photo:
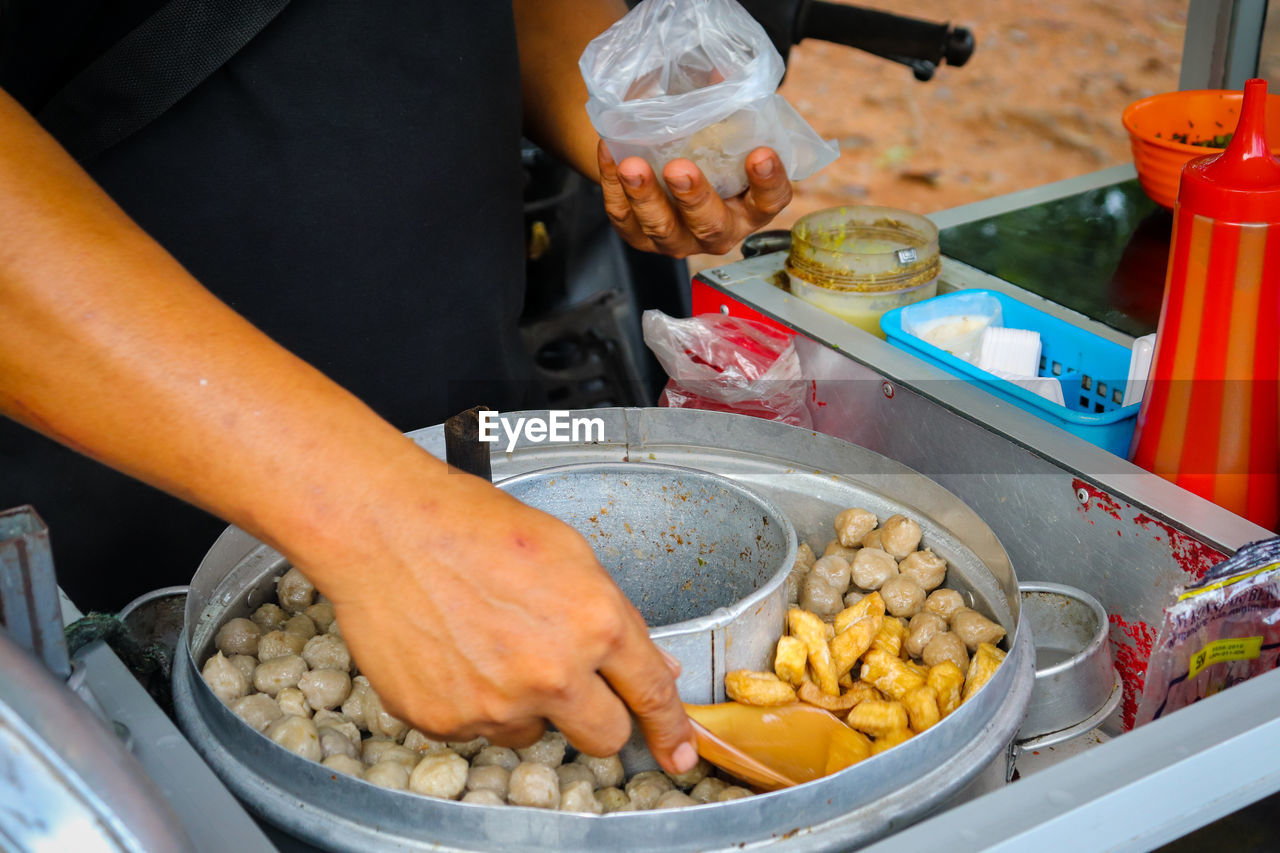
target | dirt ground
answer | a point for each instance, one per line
(1039, 101)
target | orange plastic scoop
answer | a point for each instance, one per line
(775, 747)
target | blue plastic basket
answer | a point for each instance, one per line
(1093, 372)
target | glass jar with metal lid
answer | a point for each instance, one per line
(859, 262)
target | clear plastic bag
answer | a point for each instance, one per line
(728, 364)
(954, 322)
(1221, 630)
(696, 79)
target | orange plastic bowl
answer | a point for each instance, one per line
(1200, 114)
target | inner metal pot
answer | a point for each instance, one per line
(703, 559)
(1076, 685)
(809, 477)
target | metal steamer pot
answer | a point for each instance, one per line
(809, 477)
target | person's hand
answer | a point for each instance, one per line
(698, 220)
(477, 615)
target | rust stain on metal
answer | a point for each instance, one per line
(1192, 556)
(1097, 499)
(1132, 642)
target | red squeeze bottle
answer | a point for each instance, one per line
(1209, 420)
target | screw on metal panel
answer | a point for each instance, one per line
(887, 389)
(724, 309)
(1082, 496)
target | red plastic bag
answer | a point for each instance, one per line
(728, 364)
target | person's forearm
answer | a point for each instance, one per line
(553, 34)
(108, 345)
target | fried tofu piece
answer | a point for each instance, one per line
(841, 704)
(758, 688)
(853, 642)
(947, 681)
(889, 673)
(870, 604)
(890, 637)
(985, 661)
(877, 717)
(922, 708)
(890, 740)
(790, 659)
(811, 631)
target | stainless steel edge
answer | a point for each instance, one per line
(1137, 792)
(749, 282)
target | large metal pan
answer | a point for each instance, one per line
(809, 477)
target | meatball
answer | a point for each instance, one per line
(238, 637)
(298, 735)
(675, 800)
(388, 774)
(353, 707)
(321, 616)
(580, 797)
(224, 678)
(899, 536)
(804, 556)
(376, 750)
(325, 688)
(378, 720)
(497, 756)
(706, 790)
(440, 774)
(468, 748)
(733, 792)
(974, 628)
(325, 651)
(258, 710)
(292, 701)
(614, 800)
(491, 777)
(872, 540)
(925, 568)
(300, 624)
(483, 798)
(944, 602)
(269, 617)
(278, 644)
(295, 592)
(420, 743)
(245, 664)
(835, 549)
(549, 750)
(345, 764)
(902, 596)
(817, 595)
(872, 567)
(534, 784)
(574, 772)
(923, 628)
(607, 770)
(853, 524)
(334, 742)
(946, 646)
(645, 788)
(691, 777)
(835, 570)
(278, 673)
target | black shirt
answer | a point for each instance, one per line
(350, 182)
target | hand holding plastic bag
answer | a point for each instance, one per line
(728, 364)
(696, 79)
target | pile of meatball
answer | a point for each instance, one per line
(864, 558)
(286, 672)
